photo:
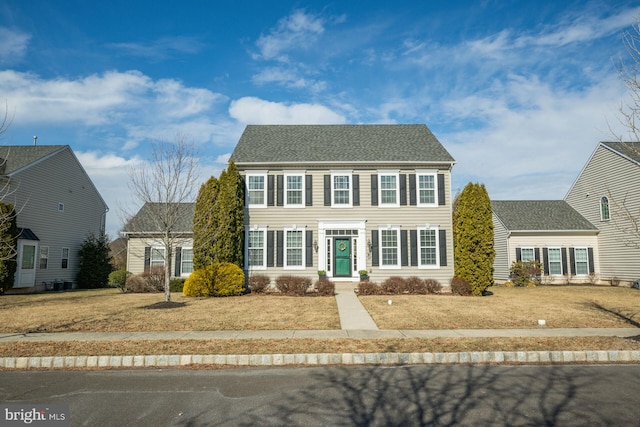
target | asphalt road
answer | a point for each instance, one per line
(475, 395)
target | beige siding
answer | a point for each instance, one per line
(136, 248)
(608, 174)
(407, 217)
(37, 192)
(500, 243)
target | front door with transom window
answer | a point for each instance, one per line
(342, 257)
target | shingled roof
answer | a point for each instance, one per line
(626, 149)
(16, 157)
(339, 144)
(540, 215)
(143, 222)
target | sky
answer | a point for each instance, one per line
(519, 92)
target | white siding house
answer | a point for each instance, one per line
(57, 208)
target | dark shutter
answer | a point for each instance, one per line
(374, 189)
(590, 255)
(270, 198)
(280, 190)
(572, 259)
(413, 236)
(442, 239)
(374, 248)
(308, 187)
(269, 248)
(545, 255)
(518, 254)
(356, 189)
(309, 247)
(536, 254)
(147, 258)
(441, 198)
(403, 189)
(279, 248)
(563, 252)
(178, 261)
(327, 190)
(404, 256)
(413, 198)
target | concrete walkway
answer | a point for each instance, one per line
(353, 315)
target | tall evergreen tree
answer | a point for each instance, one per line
(8, 249)
(205, 224)
(229, 217)
(473, 237)
(95, 264)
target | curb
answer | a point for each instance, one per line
(174, 360)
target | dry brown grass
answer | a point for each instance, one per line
(108, 310)
(561, 307)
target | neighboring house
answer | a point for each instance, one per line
(607, 193)
(145, 247)
(57, 207)
(548, 231)
(345, 198)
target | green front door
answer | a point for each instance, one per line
(342, 251)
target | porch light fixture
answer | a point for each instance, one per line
(369, 246)
(315, 245)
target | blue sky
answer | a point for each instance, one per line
(519, 92)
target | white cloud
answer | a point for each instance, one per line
(13, 45)
(257, 111)
(288, 78)
(296, 31)
(162, 48)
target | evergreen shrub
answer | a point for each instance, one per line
(118, 279)
(228, 279)
(199, 283)
(525, 273)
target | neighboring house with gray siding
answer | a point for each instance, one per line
(57, 207)
(145, 245)
(548, 231)
(607, 193)
(345, 198)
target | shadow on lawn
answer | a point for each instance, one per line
(627, 317)
(164, 305)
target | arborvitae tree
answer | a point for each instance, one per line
(95, 264)
(204, 224)
(229, 217)
(8, 249)
(473, 238)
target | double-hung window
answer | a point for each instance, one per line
(256, 247)
(186, 261)
(605, 214)
(554, 259)
(341, 189)
(389, 189)
(582, 260)
(427, 189)
(527, 254)
(390, 248)
(65, 258)
(157, 257)
(294, 248)
(257, 190)
(294, 187)
(44, 257)
(428, 247)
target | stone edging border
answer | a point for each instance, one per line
(173, 360)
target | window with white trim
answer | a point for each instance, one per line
(186, 261)
(527, 254)
(256, 243)
(157, 257)
(390, 248)
(554, 259)
(65, 258)
(294, 187)
(257, 190)
(44, 257)
(581, 260)
(341, 189)
(428, 247)
(605, 214)
(388, 189)
(427, 189)
(294, 248)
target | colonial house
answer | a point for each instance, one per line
(607, 193)
(346, 198)
(548, 231)
(145, 245)
(57, 207)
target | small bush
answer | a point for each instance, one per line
(293, 285)
(415, 286)
(138, 284)
(523, 272)
(154, 278)
(259, 283)
(432, 286)
(369, 288)
(325, 288)
(393, 285)
(460, 287)
(118, 279)
(176, 285)
(199, 283)
(228, 279)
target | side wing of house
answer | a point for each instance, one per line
(145, 252)
(501, 261)
(605, 193)
(55, 200)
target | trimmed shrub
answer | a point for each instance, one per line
(393, 285)
(460, 287)
(369, 288)
(154, 278)
(522, 273)
(199, 283)
(325, 288)
(228, 280)
(176, 285)
(138, 284)
(415, 286)
(432, 286)
(118, 279)
(293, 285)
(259, 283)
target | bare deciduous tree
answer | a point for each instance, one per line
(164, 183)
